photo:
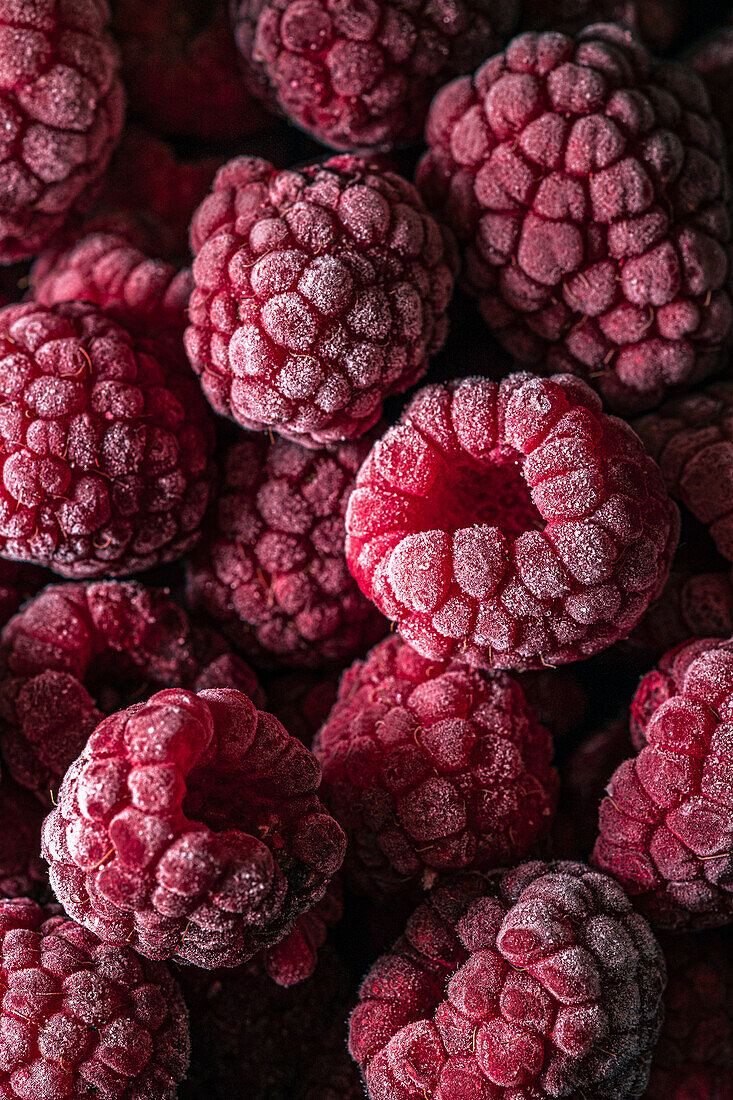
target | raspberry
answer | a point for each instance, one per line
(361, 75)
(318, 293)
(512, 525)
(81, 1018)
(694, 1057)
(62, 109)
(542, 982)
(181, 69)
(692, 604)
(294, 959)
(588, 183)
(22, 872)
(431, 766)
(79, 651)
(190, 828)
(106, 465)
(656, 22)
(666, 827)
(271, 569)
(302, 700)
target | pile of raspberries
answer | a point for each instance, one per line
(366, 550)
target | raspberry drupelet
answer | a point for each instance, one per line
(511, 525)
(655, 22)
(62, 110)
(190, 828)
(106, 443)
(666, 825)
(294, 959)
(540, 982)
(79, 651)
(361, 75)
(432, 767)
(84, 1019)
(318, 293)
(588, 184)
(270, 569)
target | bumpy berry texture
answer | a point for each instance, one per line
(294, 959)
(318, 293)
(588, 184)
(432, 767)
(79, 651)
(540, 983)
(666, 825)
(181, 69)
(656, 22)
(22, 871)
(106, 443)
(190, 828)
(270, 569)
(361, 75)
(694, 1057)
(62, 109)
(84, 1019)
(512, 525)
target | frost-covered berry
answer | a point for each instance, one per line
(511, 525)
(190, 828)
(589, 186)
(318, 293)
(432, 767)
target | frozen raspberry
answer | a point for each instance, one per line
(656, 22)
(588, 183)
(79, 651)
(512, 525)
(105, 443)
(190, 828)
(318, 293)
(104, 268)
(430, 767)
(84, 1019)
(556, 698)
(270, 568)
(694, 1057)
(542, 982)
(302, 700)
(181, 69)
(22, 871)
(666, 825)
(294, 959)
(360, 75)
(61, 108)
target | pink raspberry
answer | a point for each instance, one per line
(82, 1018)
(318, 293)
(512, 525)
(62, 110)
(666, 826)
(22, 871)
(181, 69)
(656, 22)
(270, 569)
(360, 75)
(431, 767)
(79, 651)
(541, 982)
(190, 828)
(588, 184)
(105, 440)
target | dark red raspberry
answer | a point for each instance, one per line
(666, 826)
(302, 700)
(512, 525)
(360, 75)
(190, 828)
(270, 568)
(656, 22)
(542, 982)
(318, 293)
(430, 767)
(105, 441)
(79, 651)
(589, 185)
(61, 110)
(294, 959)
(181, 69)
(81, 1018)
(694, 1057)
(22, 871)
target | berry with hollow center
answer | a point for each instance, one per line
(588, 183)
(317, 293)
(541, 982)
(432, 767)
(512, 525)
(190, 828)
